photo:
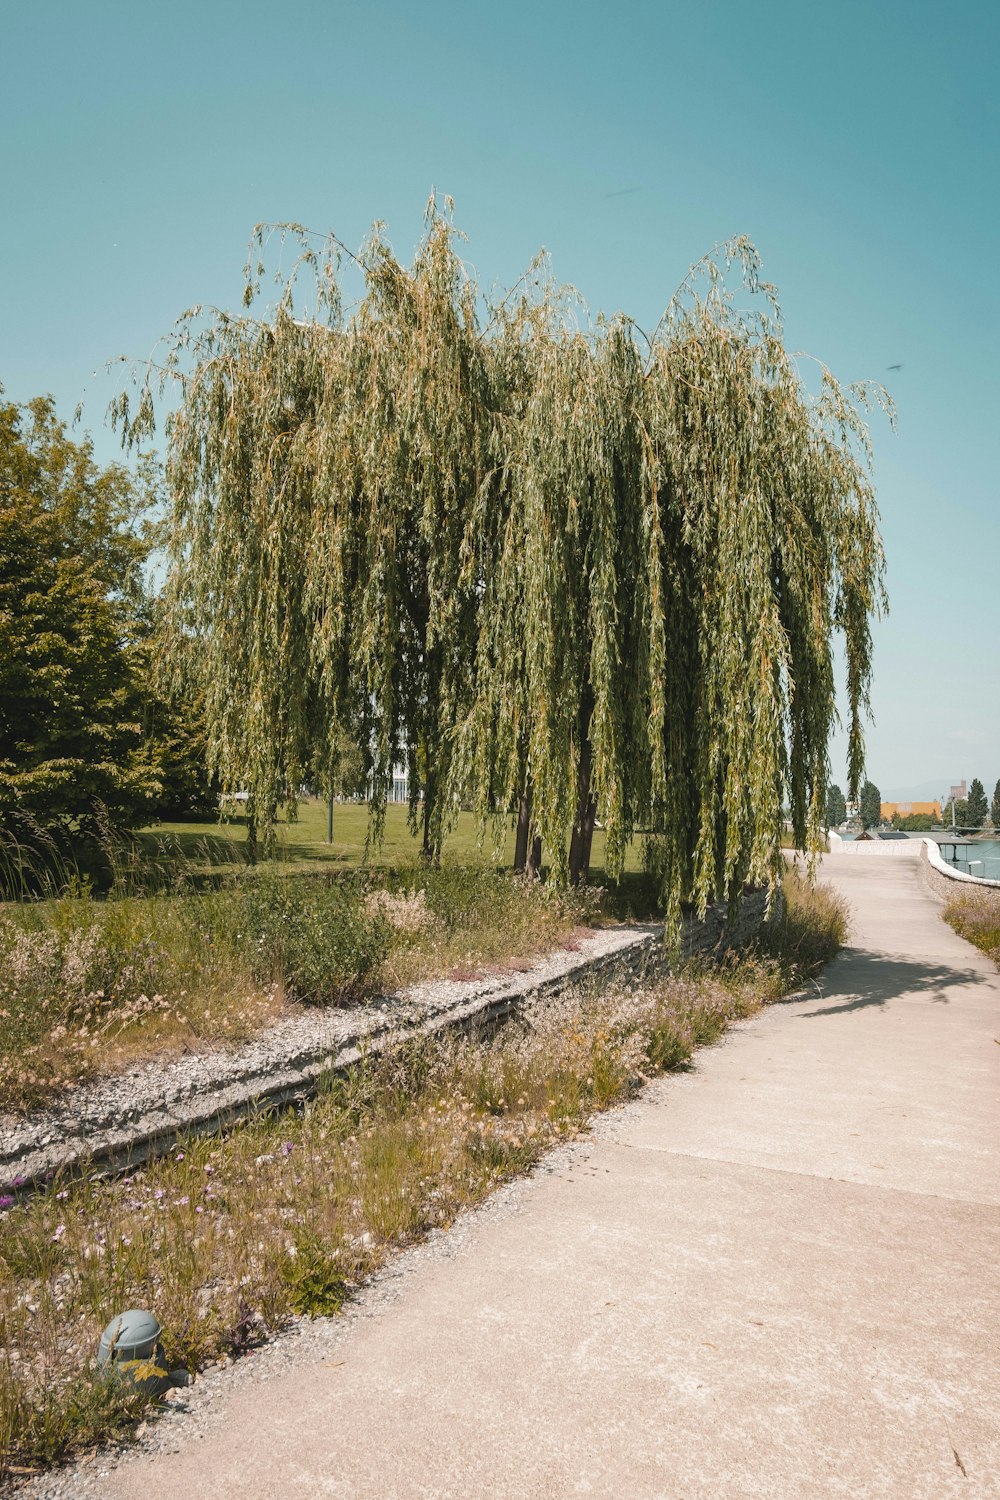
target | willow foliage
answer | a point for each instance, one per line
(551, 563)
(766, 545)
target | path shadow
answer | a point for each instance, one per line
(884, 978)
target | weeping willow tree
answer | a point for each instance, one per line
(564, 570)
(763, 546)
(557, 716)
(400, 455)
(322, 473)
(240, 479)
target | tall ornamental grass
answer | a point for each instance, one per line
(975, 915)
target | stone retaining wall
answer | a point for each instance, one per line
(941, 879)
(123, 1120)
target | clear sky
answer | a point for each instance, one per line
(857, 144)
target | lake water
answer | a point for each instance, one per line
(981, 858)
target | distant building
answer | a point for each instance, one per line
(907, 809)
(957, 793)
(399, 787)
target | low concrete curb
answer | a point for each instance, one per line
(114, 1123)
(942, 880)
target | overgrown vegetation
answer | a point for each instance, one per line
(89, 984)
(228, 1239)
(975, 915)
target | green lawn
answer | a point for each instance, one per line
(303, 842)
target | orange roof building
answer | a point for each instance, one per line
(907, 809)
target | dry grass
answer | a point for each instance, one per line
(228, 1239)
(88, 986)
(975, 915)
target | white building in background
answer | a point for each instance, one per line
(399, 786)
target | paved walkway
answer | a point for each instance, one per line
(774, 1276)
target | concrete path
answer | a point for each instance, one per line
(774, 1276)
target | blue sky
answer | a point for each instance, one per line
(857, 145)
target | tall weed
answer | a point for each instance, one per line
(975, 915)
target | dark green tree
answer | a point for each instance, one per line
(836, 806)
(913, 822)
(995, 809)
(71, 553)
(870, 807)
(176, 743)
(978, 806)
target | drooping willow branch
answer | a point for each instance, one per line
(549, 562)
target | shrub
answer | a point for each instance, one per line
(975, 915)
(319, 939)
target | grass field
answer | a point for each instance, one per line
(303, 841)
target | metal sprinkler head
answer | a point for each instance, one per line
(130, 1351)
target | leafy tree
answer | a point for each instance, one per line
(559, 566)
(176, 743)
(995, 808)
(960, 813)
(836, 806)
(71, 553)
(978, 806)
(870, 808)
(913, 822)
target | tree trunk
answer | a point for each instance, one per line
(583, 827)
(251, 836)
(431, 850)
(588, 835)
(535, 857)
(329, 820)
(522, 839)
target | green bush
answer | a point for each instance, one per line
(316, 1287)
(315, 937)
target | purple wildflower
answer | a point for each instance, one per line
(6, 1201)
(288, 1148)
